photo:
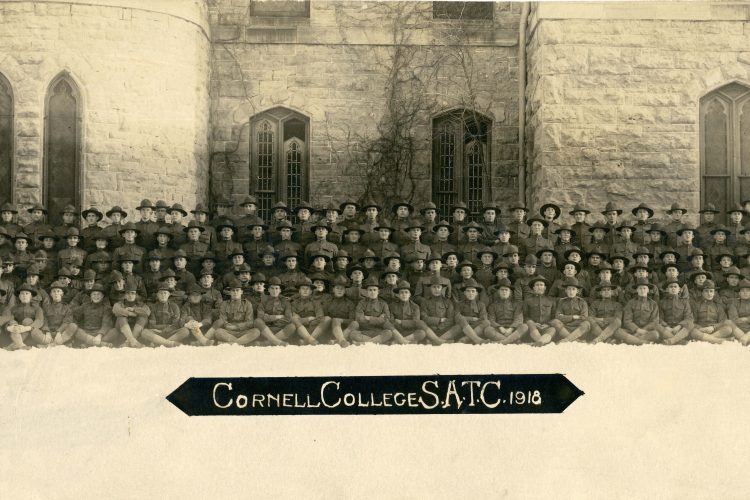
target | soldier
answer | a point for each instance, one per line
(37, 224)
(535, 241)
(321, 245)
(642, 225)
(200, 215)
(193, 247)
(284, 231)
(307, 312)
(58, 316)
(371, 222)
(131, 317)
(675, 315)
(471, 245)
(275, 315)
(571, 313)
(145, 227)
(550, 213)
(352, 243)
(458, 220)
(711, 324)
(409, 327)
(612, 215)
(640, 317)
(129, 233)
(676, 213)
(92, 217)
(349, 210)
(225, 244)
(195, 318)
(440, 241)
(236, 324)
(8, 214)
(71, 251)
(116, 215)
(429, 218)
(373, 316)
(519, 229)
(739, 313)
(177, 213)
(599, 242)
(279, 215)
(255, 242)
(413, 247)
(580, 229)
(564, 236)
(538, 311)
(490, 223)
(704, 230)
(163, 327)
(335, 231)
(505, 316)
(400, 220)
(292, 276)
(624, 246)
(93, 319)
(249, 208)
(734, 226)
(605, 313)
(341, 311)
(26, 319)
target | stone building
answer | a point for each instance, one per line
(105, 102)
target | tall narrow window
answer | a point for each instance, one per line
(6, 141)
(725, 147)
(62, 182)
(460, 161)
(279, 159)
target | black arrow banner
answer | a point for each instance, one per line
(391, 395)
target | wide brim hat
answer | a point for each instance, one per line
(571, 262)
(698, 272)
(543, 250)
(226, 223)
(519, 206)
(37, 206)
(686, 227)
(536, 219)
(579, 208)
(627, 260)
(596, 252)
(544, 207)
(200, 208)
(428, 206)
(21, 236)
(721, 229)
(320, 254)
(471, 283)
(571, 281)
(194, 224)
(42, 236)
(643, 206)
(257, 224)
(472, 225)
(26, 288)
(725, 254)
(164, 230)
(178, 208)
(348, 202)
(402, 285)
(117, 210)
(371, 281)
(288, 255)
(675, 207)
(657, 228)
(145, 203)
(564, 227)
(710, 208)
(9, 207)
(485, 250)
(535, 279)
(129, 227)
(319, 224)
(442, 223)
(92, 210)
(414, 224)
(599, 225)
(566, 254)
(357, 267)
(611, 207)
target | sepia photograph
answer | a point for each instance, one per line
(365, 230)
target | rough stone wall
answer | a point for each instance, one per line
(613, 98)
(333, 66)
(143, 76)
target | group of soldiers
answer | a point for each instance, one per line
(356, 273)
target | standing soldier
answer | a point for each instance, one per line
(612, 215)
(580, 229)
(490, 223)
(429, 217)
(518, 228)
(146, 227)
(675, 212)
(550, 213)
(92, 217)
(200, 215)
(116, 215)
(704, 230)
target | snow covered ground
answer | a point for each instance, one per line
(668, 422)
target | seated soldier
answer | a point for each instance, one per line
(236, 324)
(640, 317)
(307, 312)
(275, 315)
(26, 320)
(471, 313)
(373, 316)
(58, 316)
(505, 315)
(539, 311)
(163, 321)
(93, 319)
(340, 309)
(571, 313)
(605, 313)
(131, 317)
(739, 313)
(675, 315)
(711, 324)
(196, 318)
(406, 316)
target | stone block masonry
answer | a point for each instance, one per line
(142, 71)
(613, 99)
(333, 67)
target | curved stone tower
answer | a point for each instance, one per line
(109, 101)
